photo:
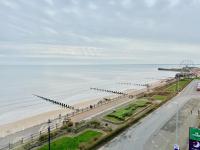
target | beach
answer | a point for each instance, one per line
(22, 124)
(69, 84)
(19, 125)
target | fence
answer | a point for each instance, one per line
(55, 124)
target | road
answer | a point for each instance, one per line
(164, 139)
(136, 137)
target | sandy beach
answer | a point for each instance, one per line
(22, 124)
(19, 125)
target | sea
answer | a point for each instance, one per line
(69, 84)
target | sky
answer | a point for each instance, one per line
(99, 31)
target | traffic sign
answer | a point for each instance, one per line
(194, 139)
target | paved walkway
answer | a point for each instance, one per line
(138, 136)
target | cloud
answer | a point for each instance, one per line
(174, 3)
(50, 2)
(50, 12)
(115, 28)
(50, 30)
(126, 3)
(29, 50)
(92, 6)
(71, 10)
(112, 2)
(150, 3)
(10, 4)
(128, 19)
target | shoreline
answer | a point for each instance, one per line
(22, 124)
(16, 126)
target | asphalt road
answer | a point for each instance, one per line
(165, 138)
(136, 137)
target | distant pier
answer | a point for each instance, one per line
(171, 69)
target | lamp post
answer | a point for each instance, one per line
(177, 84)
(49, 131)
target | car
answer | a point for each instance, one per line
(176, 147)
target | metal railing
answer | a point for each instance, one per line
(55, 124)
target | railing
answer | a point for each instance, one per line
(56, 124)
(31, 137)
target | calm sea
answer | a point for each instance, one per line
(66, 83)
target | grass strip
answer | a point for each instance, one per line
(72, 143)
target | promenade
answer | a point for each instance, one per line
(27, 133)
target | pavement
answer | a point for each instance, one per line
(165, 138)
(149, 132)
(35, 130)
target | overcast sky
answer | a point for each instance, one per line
(127, 31)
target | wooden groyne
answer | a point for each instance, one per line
(109, 91)
(55, 102)
(134, 84)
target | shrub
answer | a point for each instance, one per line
(128, 113)
(69, 129)
(43, 137)
(76, 124)
(107, 129)
(70, 124)
(95, 139)
(95, 123)
(82, 146)
(64, 127)
(27, 146)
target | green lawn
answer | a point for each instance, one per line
(182, 83)
(122, 113)
(112, 119)
(72, 143)
(159, 97)
(141, 102)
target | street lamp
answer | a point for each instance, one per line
(177, 84)
(49, 131)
